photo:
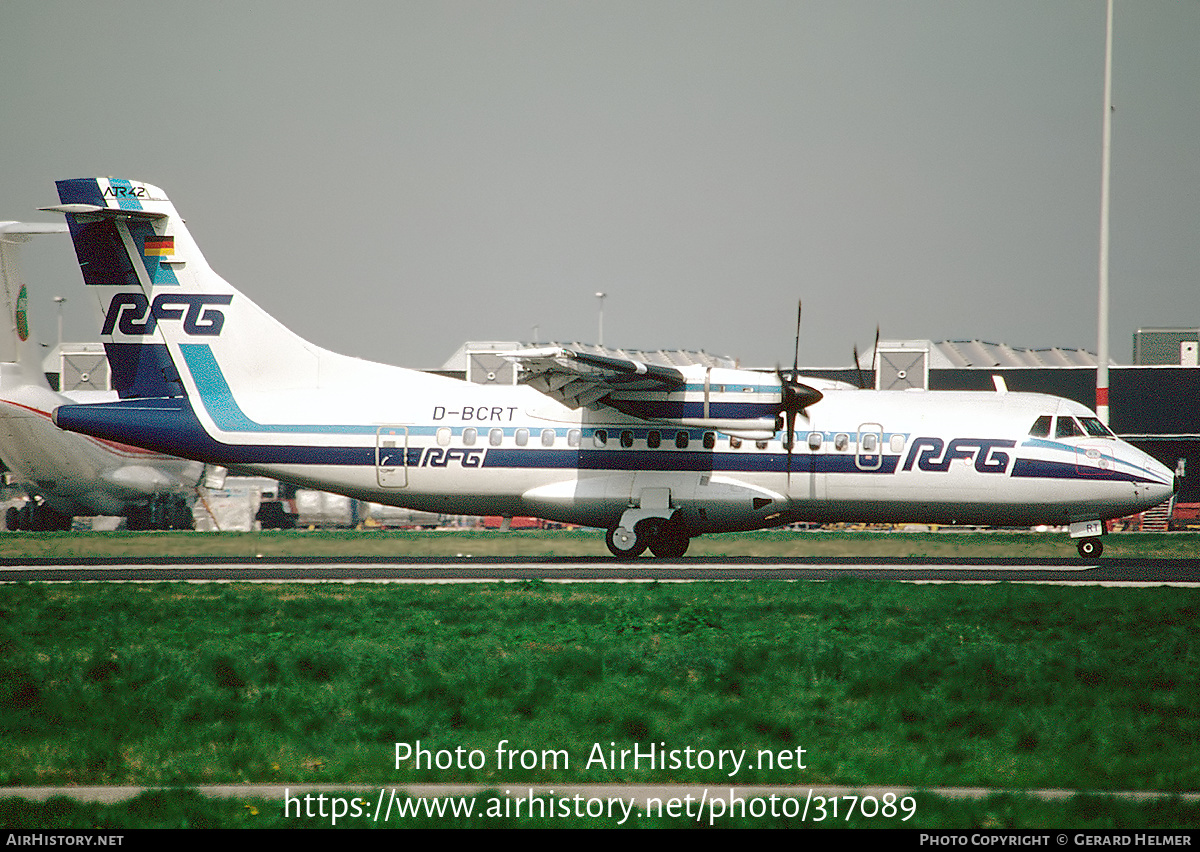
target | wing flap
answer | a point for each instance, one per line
(580, 379)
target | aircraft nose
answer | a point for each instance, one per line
(1160, 481)
(1170, 481)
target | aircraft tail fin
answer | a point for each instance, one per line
(160, 298)
(16, 345)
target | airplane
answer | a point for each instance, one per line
(65, 474)
(655, 455)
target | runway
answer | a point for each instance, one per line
(1115, 572)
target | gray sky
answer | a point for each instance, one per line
(390, 179)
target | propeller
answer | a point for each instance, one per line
(795, 396)
(862, 382)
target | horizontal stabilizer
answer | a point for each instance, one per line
(97, 210)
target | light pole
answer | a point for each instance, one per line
(1106, 165)
(601, 297)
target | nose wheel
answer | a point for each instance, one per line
(1090, 548)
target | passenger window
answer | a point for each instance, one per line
(814, 441)
(1068, 428)
(841, 441)
(1041, 427)
(600, 437)
(681, 440)
(653, 439)
(547, 437)
(870, 443)
(735, 443)
(574, 438)
(897, 444)
(443, 436)
(710, 440)
(469, 435)
(522, 437)
(496, 437)
(626, 439)
(762, 445)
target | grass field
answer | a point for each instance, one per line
(1000, 686)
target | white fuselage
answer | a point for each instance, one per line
(449, 446)
(77, 474)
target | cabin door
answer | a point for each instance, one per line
(391, 456)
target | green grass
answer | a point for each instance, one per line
(385, 544)
(1002, 686)
(998, 686)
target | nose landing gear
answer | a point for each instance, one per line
(1090, 548)
(1088, 534)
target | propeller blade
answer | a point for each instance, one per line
(861, 382)
(790, 441)
(794, 396)
(875, 353)
(796, 352)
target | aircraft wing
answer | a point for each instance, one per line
(580, 379)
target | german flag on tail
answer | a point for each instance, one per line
(159, 247)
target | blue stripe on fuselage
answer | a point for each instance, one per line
(170, 426)
(1043, 469)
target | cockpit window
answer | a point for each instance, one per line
(1068, 428)
(1041, 427)
(1095, 428)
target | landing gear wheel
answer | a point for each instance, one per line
(625, 544)
(1090, 548)
(180, 515)
(670, 542)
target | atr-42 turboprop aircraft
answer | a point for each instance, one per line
(653, 454)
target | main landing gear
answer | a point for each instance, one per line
(161, 512)
(36, 517)
(662, 536)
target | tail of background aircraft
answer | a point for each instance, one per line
(63, 474)
(16, 346)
